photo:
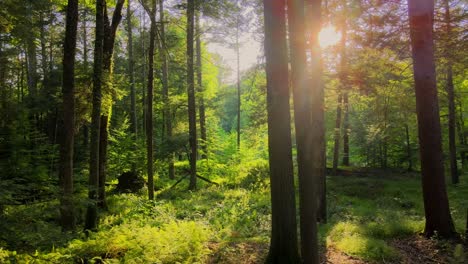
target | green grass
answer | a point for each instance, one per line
(366, 213)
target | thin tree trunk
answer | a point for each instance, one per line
(451, 99)
(85, 65)
(68, 118)
(238, 85)
(191, 95)
(283, 246)
(436, 205)
(302, 92)
(346, 128)
(337, 133)
(43, 49)
(131, 72)
(149, 113)
(144, 73)
(165, 72)
(201, 106)
(408, 149)
(91, 214)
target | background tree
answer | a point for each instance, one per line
(438, 218)
(68, 132)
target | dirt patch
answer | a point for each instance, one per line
(238, 253)
(418, 249)
(334, 256)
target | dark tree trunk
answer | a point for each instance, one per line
(238, 85)
(337, 133)
(283, 246)
(149, 103)
(165, 72)
(68, 118)
(103, 142)
(131, 73)
(451, 99)
(191, 95)
(201, 102)
(302, 91)
(436, 206)
(318, 97)
(91, 214)
(110, 29)
(346, 128)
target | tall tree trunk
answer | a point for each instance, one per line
(131, 72)
(149, 112)
(318, 105)
(344, 90)
(191, 95)
(85, 66)
(144, 72)
(436, 206)
(91, 214)
(165, 72)
(201, 102)
(110, 29)
(68, 118)
(32, 68)
(302, 91)
(283, 246)
(238, 85)
(451, 98)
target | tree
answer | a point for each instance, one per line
(165, 84)
(451, 97)
(313, 10)
(436, 206)
(201, 101)
(110, 30)
(151, 10)
(191, 94)
(131, 73)
(302, 91)
(68, 109)
(283, 245)
(91, 213)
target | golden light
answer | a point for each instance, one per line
(328, 36)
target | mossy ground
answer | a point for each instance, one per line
(372, 219)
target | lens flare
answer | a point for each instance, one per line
(328, 36)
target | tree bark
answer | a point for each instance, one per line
(451, 99)
(68, 112)
(131, 73)
(149, 103)
(283, 246)
(191, 95)
(110, 29)
(165, 83)
(201, 102)
(337, 133)
(344, 90)
(313, 13)
(436, 205)
(238, 85)
(91, 214)
(302, 93)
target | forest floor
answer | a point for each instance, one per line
(372, 219)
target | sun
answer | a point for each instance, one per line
(328, 36)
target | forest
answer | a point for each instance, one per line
(234, 131)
